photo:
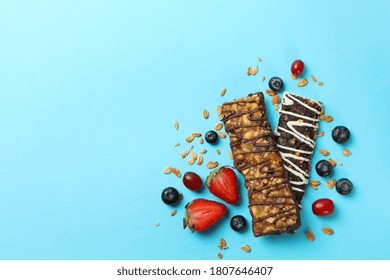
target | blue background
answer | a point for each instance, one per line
(89, 91)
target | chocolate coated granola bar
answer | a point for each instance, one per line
(271, 201)
(296, 134)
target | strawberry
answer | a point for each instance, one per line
(202, 213)
(223, 183)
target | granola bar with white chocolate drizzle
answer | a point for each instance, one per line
(296, 134)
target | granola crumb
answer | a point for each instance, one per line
(320, 83)
(222, 244)
(324, 152)
(176, 124)
(200, 160)
(263, 78)
(293, 76)
(205, 114)
(246, 248)
(218, 126)
(176, 172)
(302, 82)
(222, 134)
(313, 78)
(173, 213)
(330, 183)
(332, 162)
(314, 184)
(270, 92)
(320, 134)
(218, 151)
(223, 91)
(201, 140)
(327, 230)
(212, 164)
(220, 255)
(309, 235)
(168, 170)
(346, 152)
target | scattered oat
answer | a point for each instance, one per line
(173, 213)
(191, 161)
(205, 114)
(203, 151)
(196, 134)
(176, 172)
(185, 153)
(340, 163)
(249, 71)
(270, 92)
(230, 155)
(218, 151)
(327, 230)
(276, 106)
(176, 124)
(168, 170)
(222, 244)
(302, 82)
(212, 164)
(313, 78)
(201, 140)
(190, 138)
(246, 248)
(332, 161)
(219, 112)
(328, 118)
(314, 184)
(324, 152)
(346, 152)
(200, 160)
(193, 155)
(320, 83)
(177, 144)
(223, 92)
(309, 235)
(220, 255)
(156, 224)
(218, 126)
(222, 134)
(293, 76)
(263, 78)
(255, 70)
(276, 99)
(330, 183)
(320, 134)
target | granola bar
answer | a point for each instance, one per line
(271, 200)
(296, 134)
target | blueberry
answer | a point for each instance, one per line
(344, 186)
(238, 223)
(275, 83)
(340, 134)
(323, 168)
(211, 137)
(170, 195)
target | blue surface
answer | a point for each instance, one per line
(89, 91)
